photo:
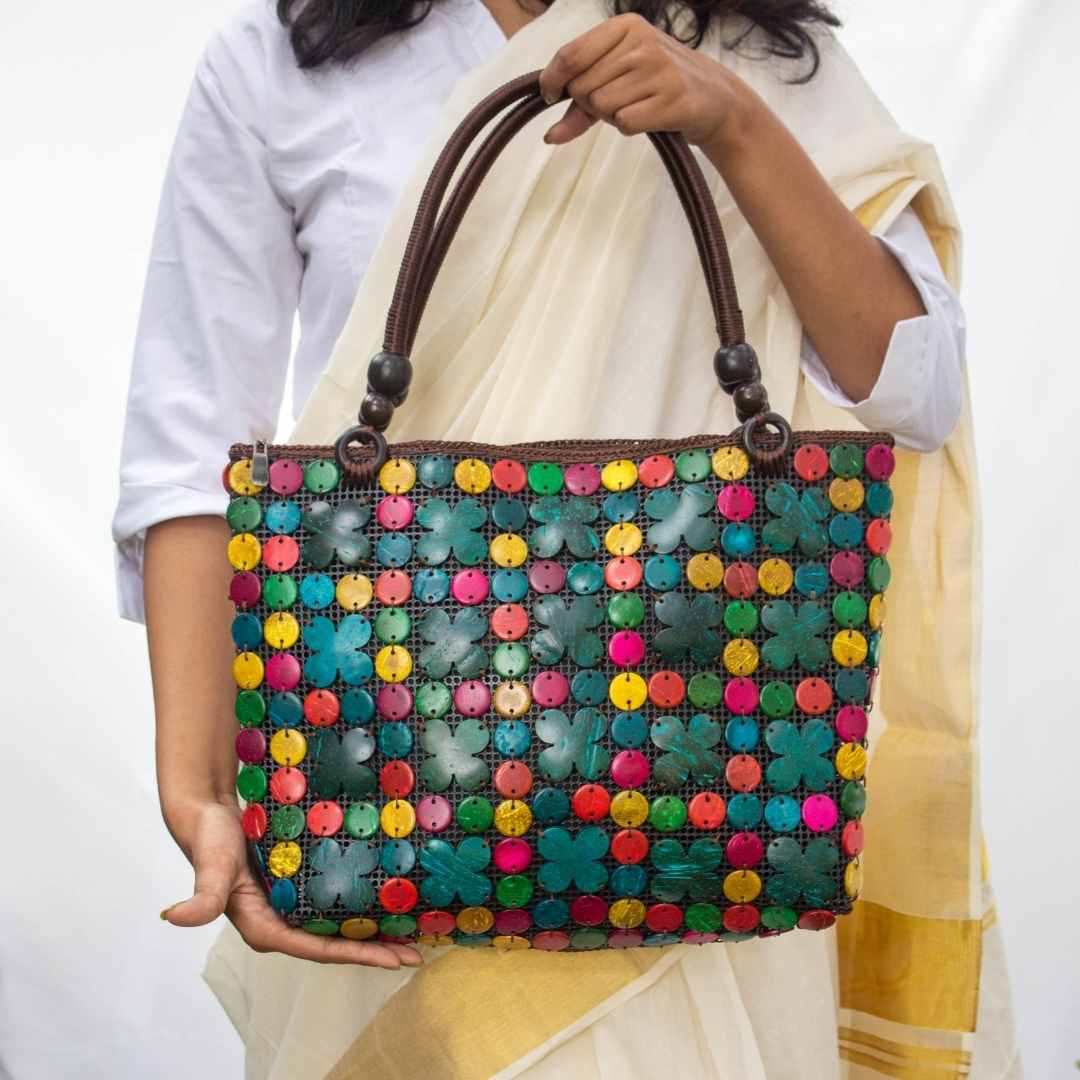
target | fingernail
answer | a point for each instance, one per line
(549, 97)
(165, 911)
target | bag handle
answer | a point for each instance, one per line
(473, 176)
(390, 372)
(682, 168)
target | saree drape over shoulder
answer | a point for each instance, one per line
(571, 305)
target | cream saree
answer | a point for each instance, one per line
(571, 305)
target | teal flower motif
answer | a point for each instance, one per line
(574, 745)
(800, 755)
(339, 764)
(457, 873)
(453, 644)
(689, 750)
(452, 754)
(798, 874)
(451, 529)
(564, 521)
(336, 531)
(796, 635)
(573, 859)
(340, 873)
(569, 630)
(681, 518)
(798, 520)
(686, 872)
(337, 650)
(689, 627)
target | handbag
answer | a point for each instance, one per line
(564, 694)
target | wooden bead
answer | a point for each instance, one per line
(736, 364)
(389, 374)
(376, 411)
(750, 399)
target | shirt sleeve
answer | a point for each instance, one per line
(214, 333)
(918, 394)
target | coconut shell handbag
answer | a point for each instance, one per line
(559, 695)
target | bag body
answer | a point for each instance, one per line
(560, 694)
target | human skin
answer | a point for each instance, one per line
(847, 288)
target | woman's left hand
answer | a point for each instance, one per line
(631, 74)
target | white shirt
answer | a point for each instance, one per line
(277, 190)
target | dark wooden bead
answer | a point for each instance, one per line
(736, 364)
(389, 374)
(376, 411)
(749, 399)
(399, 399)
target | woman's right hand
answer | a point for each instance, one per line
(209, 834)
(186, 582)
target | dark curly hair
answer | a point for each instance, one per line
(336, 31)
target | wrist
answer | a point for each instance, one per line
(730, 136)
(181, 811)
(194, 775)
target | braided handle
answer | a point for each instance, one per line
(435, 225)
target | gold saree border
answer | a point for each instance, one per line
(919, 972)
(474, 1012)
(914, 975)
(902, 1060)
(870, 1047)
(860, 1063)
(925, 1055)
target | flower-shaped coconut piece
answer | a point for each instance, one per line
(340, 873)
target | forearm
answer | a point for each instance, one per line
(188, 614)
(847, 288)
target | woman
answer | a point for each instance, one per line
(296, 142)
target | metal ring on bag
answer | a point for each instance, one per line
(361, 472)
(767, 460)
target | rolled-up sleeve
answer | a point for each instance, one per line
(918, 394)
(213, 339)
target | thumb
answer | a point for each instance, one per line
(575, 121)
(215, 875)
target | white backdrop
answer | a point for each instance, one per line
(92, 984)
